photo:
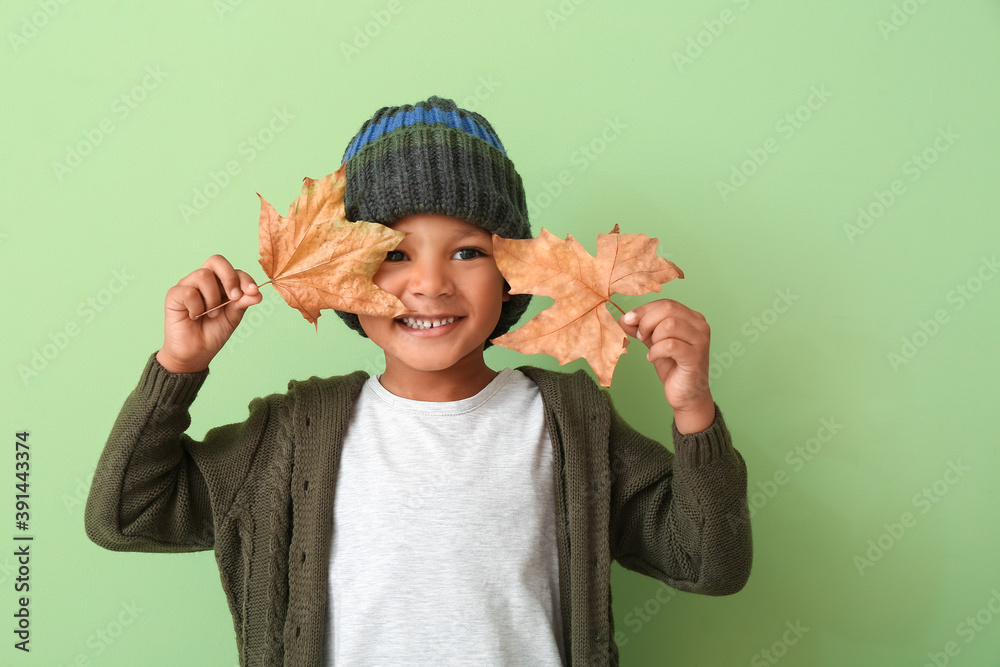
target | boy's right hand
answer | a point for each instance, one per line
(190, 343)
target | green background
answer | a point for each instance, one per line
(691, 93)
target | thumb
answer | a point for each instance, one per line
(629, 322)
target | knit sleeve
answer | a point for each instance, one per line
(682, 519)
(157, 489)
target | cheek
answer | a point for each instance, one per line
(372, 325)
(363, 320)
(388, 281)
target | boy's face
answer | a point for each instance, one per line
(444, 270)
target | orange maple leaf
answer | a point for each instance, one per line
(317, 259)
(578, 324)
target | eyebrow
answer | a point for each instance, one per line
(466, 232)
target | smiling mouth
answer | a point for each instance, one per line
(427, 323)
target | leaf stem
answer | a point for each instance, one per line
(225, 302)
(616, 306)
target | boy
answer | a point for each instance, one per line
(442, 512)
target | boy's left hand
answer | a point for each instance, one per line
(678, 339)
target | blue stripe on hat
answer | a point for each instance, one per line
(422, 115)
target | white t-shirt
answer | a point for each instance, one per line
(444, 538)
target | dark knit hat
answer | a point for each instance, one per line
(433, 157)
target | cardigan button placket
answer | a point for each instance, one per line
(305, 489)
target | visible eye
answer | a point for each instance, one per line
(395, 256)
(469, 253)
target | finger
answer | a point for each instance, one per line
(247, 294)
(674, 349)
(207, 282)
(633, 316)
(674, 319)
(247, 284)
(648, 316)
(631, 321)
(184, 301)
(663, 365)
(625, 322)
(675, 327)
(230, 281)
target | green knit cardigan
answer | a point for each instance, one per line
(260, 493)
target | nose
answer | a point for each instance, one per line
(431, 278)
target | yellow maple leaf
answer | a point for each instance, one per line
(578, 324)
(317, 259)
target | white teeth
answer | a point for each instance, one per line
(426, 324)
